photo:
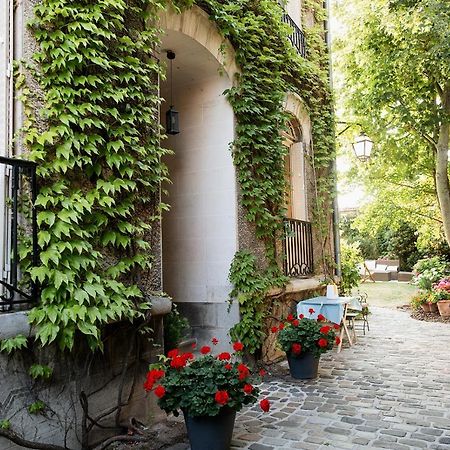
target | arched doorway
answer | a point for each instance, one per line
(199, 233)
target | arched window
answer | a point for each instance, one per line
(296, 201)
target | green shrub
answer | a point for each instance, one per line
(430, 271)
(176, 328)
(350, 258)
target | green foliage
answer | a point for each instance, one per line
(419, 299)
(5, 424)
(307, 333)
(250, 291)
(430, 271)
(350, 258)
(99, 159)
(396, 60)
(36, 407)
(39, 371)
(192, 387)
(175, 328)
(16, 343)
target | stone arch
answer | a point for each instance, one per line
(196, 24)
(294, 105)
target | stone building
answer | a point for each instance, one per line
(205, 226)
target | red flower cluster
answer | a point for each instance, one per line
(152, 377)
(221, 397)
(215, 341)
(274, 329)
(248, 388)
(243, 370)
(205, 350)
(321, 318)
(295, 322)
(238, 347)
(290, 318)
(296, 348)
(179, 361)
(265, 405)
(301, 316)
(322, 342)
(160, 391)
(311, 311)
(325, 329)
(336, 326)
(338, 340)
(224, 356)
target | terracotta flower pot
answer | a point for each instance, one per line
(426, 307)
(434, 308)
(444, 308)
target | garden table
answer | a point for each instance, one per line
(333, 309)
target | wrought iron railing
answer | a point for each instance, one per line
(18, 178)
(297, 37)
(298, 248)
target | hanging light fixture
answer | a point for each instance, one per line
(363, 147)
(172, 120)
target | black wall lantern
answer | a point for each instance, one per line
(172, 120)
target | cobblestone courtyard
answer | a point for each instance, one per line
(391, 390)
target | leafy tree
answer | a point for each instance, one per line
(396, 63)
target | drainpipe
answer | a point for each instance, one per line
(337, 243)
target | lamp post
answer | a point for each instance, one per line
(363, 147)
(172, 120)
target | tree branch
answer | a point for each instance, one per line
(19, 440)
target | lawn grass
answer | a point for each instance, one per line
(387, 294)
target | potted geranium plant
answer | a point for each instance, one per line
(304, 340)
(441, 295)
(209, 390)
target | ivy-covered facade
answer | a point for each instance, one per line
(231, 217)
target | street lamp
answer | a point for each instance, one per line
(363, 147)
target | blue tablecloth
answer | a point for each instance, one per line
(332, 309)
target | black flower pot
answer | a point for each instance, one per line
(303, 366)
(211, 432)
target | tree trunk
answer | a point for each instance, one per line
(442, 180)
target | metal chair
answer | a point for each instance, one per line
(359, 319)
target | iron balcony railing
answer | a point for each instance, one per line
(18, 213)
(298, 248)
(297, 37)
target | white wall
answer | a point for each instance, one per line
(200, 230)
(294, 9)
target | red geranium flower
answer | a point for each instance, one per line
(221, 397)
(290, 318)
(322, 342)
(237, 346)
(194, 345)
(215, 341)
(159, 391)
(178, 362)
(281, 326)
(205, 350)
(152, 377)
(320, 318)
(301, 316)
(311, 310)
(228, 366)
(224, 356)
(296, 348)
(325, 329)
(338, 340)
(243, 370)
(262, 372)
(295, 323)
(265, 405)
(248, 388)
(173, 353)
(187, 356)
(274, 329)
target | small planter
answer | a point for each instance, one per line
(426, 307)
(444, 308)
(211, 432)
(434, 308)
(304, 366)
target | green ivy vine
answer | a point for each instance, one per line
(97, 145)
(99, 158)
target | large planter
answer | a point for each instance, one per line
(434, 308)
(426, 307)
(444, 308)
(211, 432)
(304, 366)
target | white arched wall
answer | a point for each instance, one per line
(199, 233)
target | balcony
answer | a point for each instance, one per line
(298, 248)
(297, 37)
(18, 190)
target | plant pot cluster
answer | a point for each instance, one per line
(435, 300)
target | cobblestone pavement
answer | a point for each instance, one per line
(391, 390)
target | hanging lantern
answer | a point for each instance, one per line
(363, 147)
(172, 119)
